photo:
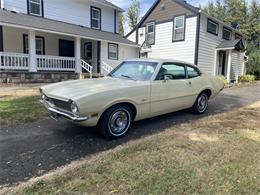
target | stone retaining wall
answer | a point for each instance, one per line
(39, 77)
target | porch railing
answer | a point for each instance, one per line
(87, 67)
(55, 63)
(14, 61)
(107, 68)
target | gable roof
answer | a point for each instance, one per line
(8, 18)
(186, 5)
(109, 4)
(180, 2)
(237, 44)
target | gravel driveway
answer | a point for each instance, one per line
(31, 150)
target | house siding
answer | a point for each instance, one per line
(70, 11)
(207, 48)
(237, 64)
(125, 52)
(165, 48)
(165, 10)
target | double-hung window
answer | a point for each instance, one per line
(179, 28)
(226, 33)
(35, 7)
(150, 33)
(39, 44)
(112, 51)
(212, 27)
(96, 18)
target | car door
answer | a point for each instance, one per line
(171, 90)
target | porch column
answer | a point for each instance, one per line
(78, 54)
(229, 66)
(215, 73)
(32, 51)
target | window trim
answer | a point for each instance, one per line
(217, 24)
(100, 17)
(184, 27)
(36, 37)
(41, 9)
(146, 30)
(117, 57)
(227, 29)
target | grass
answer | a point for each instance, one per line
(20, 107)
(216, 155)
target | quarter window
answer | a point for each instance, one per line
(35, 7)
(172, 71)
(179, 28)
(112, 51)
(150, 33)
(39, 41)
(226, 34)
(212, 27)
(192, 72)
(95, 18)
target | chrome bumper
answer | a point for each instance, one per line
(56, 113)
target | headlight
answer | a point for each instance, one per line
(43, 96)
(74, 108)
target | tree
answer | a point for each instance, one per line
(121, 21)
(133, 14)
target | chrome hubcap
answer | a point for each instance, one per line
(119, 122)
(202, 103)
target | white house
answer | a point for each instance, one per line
(44, 39)
(175, 29)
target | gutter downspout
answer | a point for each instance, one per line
(2, 4)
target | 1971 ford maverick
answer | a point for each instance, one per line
(134, 90)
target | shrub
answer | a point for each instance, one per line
(247, 79)
(224, 80)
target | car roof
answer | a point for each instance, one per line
(161, 61)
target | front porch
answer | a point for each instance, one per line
(35, 51)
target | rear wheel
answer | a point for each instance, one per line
(201, 104)
(116, 121)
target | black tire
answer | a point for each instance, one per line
(116, 121)
(201, 104)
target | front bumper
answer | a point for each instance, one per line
(55, 113)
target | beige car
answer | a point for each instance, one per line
(135, 90)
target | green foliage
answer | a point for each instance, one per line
(247, 79)
(246, 18)
(224, 80)
(121, 21)
(133, 14)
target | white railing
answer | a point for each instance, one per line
(14, 61)
(107, 68)
(87, 67)
(55, 63)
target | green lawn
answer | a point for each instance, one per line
(214, 155)
(20, 110)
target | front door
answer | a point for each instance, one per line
(173, 93)
(66, 48)
(222, 63)
(88, 47)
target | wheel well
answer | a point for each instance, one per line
(208, 92)
(131, 106)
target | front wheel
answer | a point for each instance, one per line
(116, 121)
(201, 104)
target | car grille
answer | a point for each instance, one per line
(59, 103)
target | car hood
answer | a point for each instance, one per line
(79, 88)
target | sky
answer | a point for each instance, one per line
(146, 4)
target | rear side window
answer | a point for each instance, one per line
(172, 71)
(192, 72)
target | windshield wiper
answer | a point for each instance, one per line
(127, 76)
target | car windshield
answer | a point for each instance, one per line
(135, 70)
